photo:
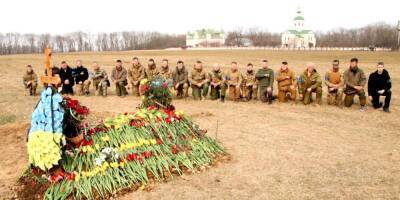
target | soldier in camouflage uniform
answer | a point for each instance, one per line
(181, 80)
(151, 70)
(166, 74)
(287, 85)
(234, 81)
(249, 84)
(100, 80)
(199, 81)
(334, 82)
(265, 77)
(217, 83)
(310, 82)
(135, 74)
(119, 77)
(354, 82)
(30, 80)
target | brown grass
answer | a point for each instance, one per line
(280, 151)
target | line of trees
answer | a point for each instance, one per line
(378, 35)
(16, 43)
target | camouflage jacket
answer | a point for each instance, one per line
(136, 73)
(313, 81)
(197, 77)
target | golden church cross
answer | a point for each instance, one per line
(49, 78)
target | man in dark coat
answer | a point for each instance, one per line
(81, 78)
(67, 79)
(379, 84)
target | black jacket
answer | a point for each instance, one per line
(66, 74)
(55, 70)
(81, 74)
(378, 82)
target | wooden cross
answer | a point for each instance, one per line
(49, 78)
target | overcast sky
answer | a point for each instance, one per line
(179, 16)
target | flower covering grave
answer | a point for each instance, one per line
(72, 158)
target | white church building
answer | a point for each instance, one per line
(205, 38)
(298, 36)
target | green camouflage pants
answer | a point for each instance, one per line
(120, 89)
(307, 99)
(349, 98)
(100, 86)
(198, 92)
(217, 92)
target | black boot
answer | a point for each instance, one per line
(222, 99)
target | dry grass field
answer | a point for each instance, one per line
(279, 151)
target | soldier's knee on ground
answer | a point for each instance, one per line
(348, 100)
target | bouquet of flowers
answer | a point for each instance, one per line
(73, 116)
(155, 93)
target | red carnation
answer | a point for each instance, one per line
(159, 141)
(151, 107)
(146, 154)
(71, 176)
(165, 85)
(71, 103)
(144, 88)
(174, 149)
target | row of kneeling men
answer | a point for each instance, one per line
(240, 86)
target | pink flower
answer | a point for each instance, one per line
(165, 85)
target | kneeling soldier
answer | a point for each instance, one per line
(181, 82)
(100, 80)
(119, 78)
(310, 82)
(354, 82)
(135, 75)
(199, 81)
(249, 84)
(234, 81)
(151, 71)
(379, 84)
(166, 73)
(265, 77)
(217, 83)
(286, 83)
(82, 82)
(334, 82)
(30, 80)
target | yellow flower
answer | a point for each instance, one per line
(143, 81)
(105, 138)
(179, 113)
(142, 186)
(77, 176)
(122, 164)
(44, 149)
(153, 141)
(114, 164)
